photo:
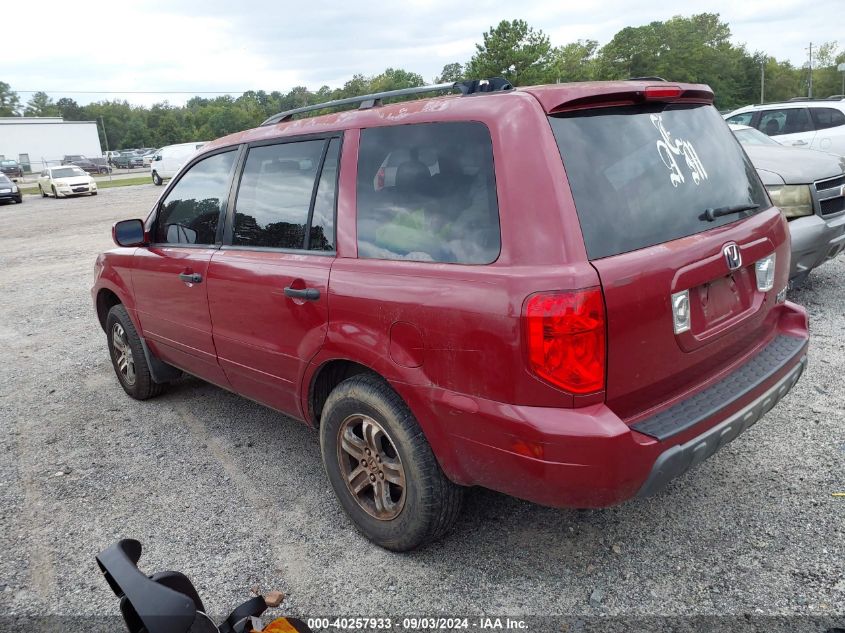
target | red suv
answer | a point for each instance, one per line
(570, 294)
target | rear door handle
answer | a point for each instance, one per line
(799, 142)
(190, 278)
(308, 294)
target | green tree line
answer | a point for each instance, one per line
(694, 49)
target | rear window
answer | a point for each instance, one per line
(644, 175)
(427, 192)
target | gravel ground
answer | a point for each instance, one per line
(234, 494)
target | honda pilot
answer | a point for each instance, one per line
(571, 294)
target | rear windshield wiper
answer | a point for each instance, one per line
(711, 214)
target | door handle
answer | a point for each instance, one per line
(308, 294)
(190, 278)
(799, 142)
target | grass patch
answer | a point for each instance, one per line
(103, 184)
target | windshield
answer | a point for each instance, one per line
(751, 136)
(67, 172)
(8, 163)
(644, 175)
(4, 180)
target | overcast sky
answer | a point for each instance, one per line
(231, 45)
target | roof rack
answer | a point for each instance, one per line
(468, 87)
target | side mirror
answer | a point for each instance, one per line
(157, 157)
(128, 233)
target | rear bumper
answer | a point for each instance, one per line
(588, 456)
(814, 240)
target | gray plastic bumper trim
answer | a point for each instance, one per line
(677, 460)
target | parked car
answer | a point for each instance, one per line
(111, 155)
(808, 124)
(571, 293)
(148, 157)
(65, 181)
(89, 165)
(9, 191)
(167, 161)
(11, 168)
(807, 187)
(127, 160)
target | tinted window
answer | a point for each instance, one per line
(427, 192)
(275, 194)
(322, 221)
(785, 121)
(741, 119)
(191, 210)
(645, 175)
(827, 117)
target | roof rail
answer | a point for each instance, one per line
(652, 78)
(468, 87)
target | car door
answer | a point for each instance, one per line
(830, 130)
(268, 283)
(788, 126)
(169, 275)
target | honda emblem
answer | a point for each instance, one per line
(732, 256)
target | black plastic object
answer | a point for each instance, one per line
(169, 604)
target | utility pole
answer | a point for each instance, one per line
(762, 82)
(810, 83)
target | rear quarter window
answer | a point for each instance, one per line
(427, 192)
(645, 175)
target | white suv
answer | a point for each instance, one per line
(811, 124)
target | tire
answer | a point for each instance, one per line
(55, 193)
(94, 193)
(132, 371)
(157, 179)
(420, 504)
(41, 191)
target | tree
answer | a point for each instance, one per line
(515, 51)
(575, 61)
(451, 73)
(70, 110)
(9, 102)
(41, 105)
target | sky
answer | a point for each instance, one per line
(203, 46)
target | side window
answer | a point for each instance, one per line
(322, 219)
(827, 117)
(785, 121)
(741, 119)
(427, 192)
(190, 212)
(275, 193)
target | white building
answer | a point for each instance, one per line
(43, 141)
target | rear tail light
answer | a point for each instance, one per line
(765, 271)
(662, 93)
(566, 336)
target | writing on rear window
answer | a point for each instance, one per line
(669, 148)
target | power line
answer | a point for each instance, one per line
(138, 92)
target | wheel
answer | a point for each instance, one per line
(157, 179)
(41, 191)
(94, 193)
(127, 356)
(382, 468)
(55, 193)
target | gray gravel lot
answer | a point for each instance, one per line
(234, 494)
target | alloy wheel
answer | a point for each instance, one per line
(123, 354)
(371, 467)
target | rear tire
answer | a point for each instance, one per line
(157, 179)
(372, 443)
(127, 356)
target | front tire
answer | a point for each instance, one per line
(41, 191)
(382, 468)
(157, 179)
(127, 356)
(55, 193)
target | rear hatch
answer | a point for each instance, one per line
(646, 178)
